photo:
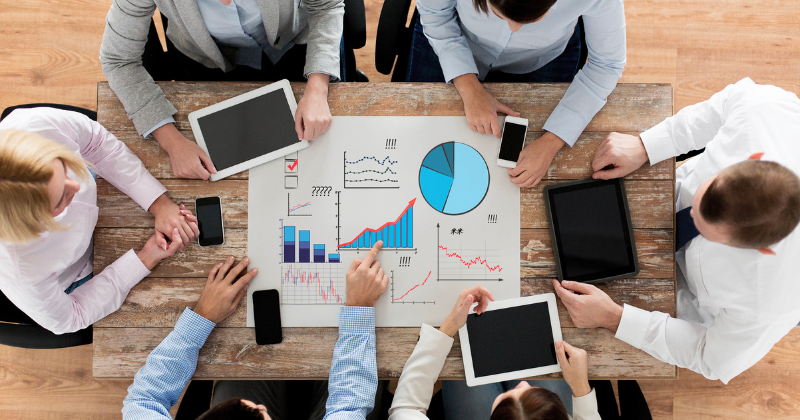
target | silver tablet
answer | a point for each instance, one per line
(248, 130)
(512, 339)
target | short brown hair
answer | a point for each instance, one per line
(758, 201)
(520, 11)
(532, 404)
(233, 409)
(26, 167)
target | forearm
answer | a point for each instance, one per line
(159, 384)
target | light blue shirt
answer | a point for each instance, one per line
(468, 41)
(354, 373)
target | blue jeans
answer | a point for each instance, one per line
(423, 63)
(475, 403)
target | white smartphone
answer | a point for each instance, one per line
(514, 131)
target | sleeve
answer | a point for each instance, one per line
(604, 24)
(124, 39)
(585, 407)
(440, 23)
(354, 372)
(693, 127)
(415, 387)
(43, 301)
(325, 28)
(111, 158)
(725, 349)
(165, 121)
(159, 383)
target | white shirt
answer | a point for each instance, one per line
(741, 302)
(35, 274)
(415, 387)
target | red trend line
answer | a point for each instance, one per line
(410, 203)
(421, 284)
(298, 206)
(476, 260)
(308, 278)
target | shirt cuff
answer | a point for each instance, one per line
(458, 63)
(356, 320)
(585, 404)
(165, 121)
(194, 327)
(633, 325)
(130, 269)
(438, 340)
(146, 191)
(566, 124)
(334, 78)
(658, 143)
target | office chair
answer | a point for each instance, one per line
(394, 39)
(16, 328)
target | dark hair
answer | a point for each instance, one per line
(233, 409)
(520, 11)
(532, 404)
(758, 200)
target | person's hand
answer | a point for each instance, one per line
(152, 253)
(458, 316)
(188, 160)
(313, 116)
(534, 160)
(366, 280)
(588, 306)
(574, 367)
(480, 106)
(621, 153)
(223, 290)
(169, 216)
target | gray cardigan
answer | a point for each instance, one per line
(317, 23)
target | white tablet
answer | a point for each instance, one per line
(248, 130)
(512, 339)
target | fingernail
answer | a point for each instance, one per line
(164, 247)
(255, 270)
(246, 259)
(565, 282)
(230, 258)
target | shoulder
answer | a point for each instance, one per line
(61, 126)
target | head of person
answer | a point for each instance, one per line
(752, 205)
(236, 409)
(515, 12)
(527, 402)
(34, 184)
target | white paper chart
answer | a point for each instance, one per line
(428, 187)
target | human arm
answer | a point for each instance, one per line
(160, 382)
(575, 369)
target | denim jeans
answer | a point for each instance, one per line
(462, 402)
(423, 63)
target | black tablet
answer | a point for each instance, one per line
(590, 226)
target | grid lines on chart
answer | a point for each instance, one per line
(312, 284)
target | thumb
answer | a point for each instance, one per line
(506, 110)
(575, 286)
(176, 243)
(207, 163)
(561, 355)
(298, 126)
(464, 309)
(616, 172)
(161, 240)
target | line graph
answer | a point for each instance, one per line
(311, 284)
(409, 302)
(451, 266)
(300, 209)
(361, 172)
(470, 263)
(397, 235)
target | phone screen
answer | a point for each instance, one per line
(209, 221)
(513, 139)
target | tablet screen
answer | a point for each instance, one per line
(511, 339)
(248, 130)
(591, 229)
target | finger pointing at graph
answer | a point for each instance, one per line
(458, 316)
(366, 280)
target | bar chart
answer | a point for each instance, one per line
(295, 240)
(398, 234)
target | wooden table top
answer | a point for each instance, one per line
(124, 339)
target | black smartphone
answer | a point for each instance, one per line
(267, 317)
(209, 221)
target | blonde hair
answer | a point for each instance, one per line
(26, 167)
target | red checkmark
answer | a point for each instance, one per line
(294, 165)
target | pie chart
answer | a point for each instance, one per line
(453, 178)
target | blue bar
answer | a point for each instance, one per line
(305, 246)
(333, 258)
(411, 227)
(405, 229)
(288, 244)
(319, 253)
(391, 236)
(360, 241)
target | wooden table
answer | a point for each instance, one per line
(123, 340)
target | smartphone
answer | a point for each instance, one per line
(267, 317)
(209, 221)
(514, 131)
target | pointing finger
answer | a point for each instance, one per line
(373, 253)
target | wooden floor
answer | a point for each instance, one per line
(49, 53)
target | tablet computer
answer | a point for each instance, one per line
(590, 227)
(248, 130)
(512, 339)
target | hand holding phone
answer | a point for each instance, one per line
(512, 142)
